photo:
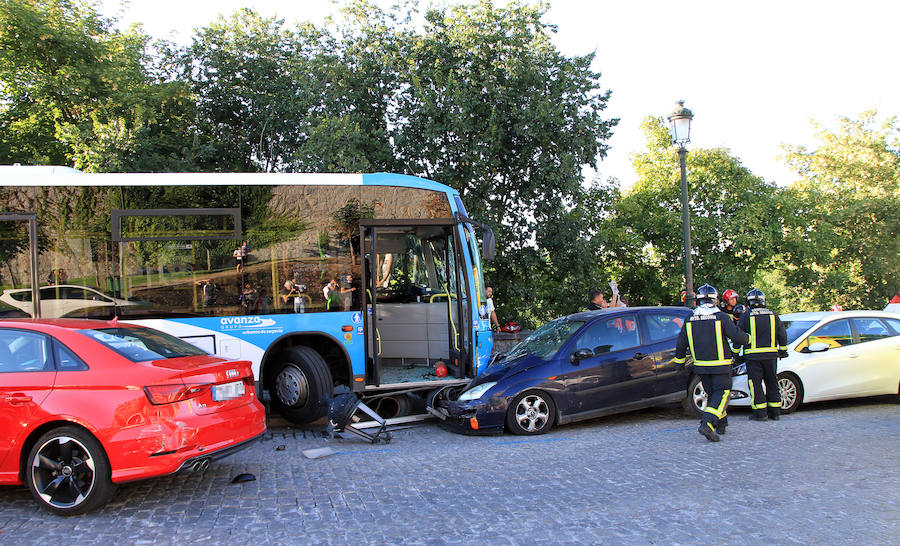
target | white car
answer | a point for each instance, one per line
(844, 354)
(61, 300)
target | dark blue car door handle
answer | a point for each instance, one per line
(640, 355)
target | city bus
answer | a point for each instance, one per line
(370, 282)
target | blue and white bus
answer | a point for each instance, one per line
(369, 281)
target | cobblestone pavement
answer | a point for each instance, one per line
(825, 475)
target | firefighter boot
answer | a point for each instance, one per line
(759, 415)
(720, 426)
(709, 431)
(774, 413)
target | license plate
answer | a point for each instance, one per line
(228, 391)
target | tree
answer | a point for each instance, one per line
(487, 104)
(735, 226)
(346, 222)
(73, 91)
(843, 216)
(359, 63)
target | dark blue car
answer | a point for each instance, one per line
(578, 367)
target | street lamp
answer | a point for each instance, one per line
(680, 120)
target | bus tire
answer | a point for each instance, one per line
(300, 385)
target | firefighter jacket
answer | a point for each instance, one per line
(705, 334)
(767, 334)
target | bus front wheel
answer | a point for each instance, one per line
(300, 385)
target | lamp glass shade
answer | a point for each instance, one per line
(681, 129)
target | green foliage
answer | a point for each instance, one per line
(73, 91)
(474, 96)
(735, 228)
(489, 106)
(346, 221)
(13, 242)
(843, 217)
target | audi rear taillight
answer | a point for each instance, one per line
(168, 394)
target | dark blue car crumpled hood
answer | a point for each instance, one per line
(507, 367)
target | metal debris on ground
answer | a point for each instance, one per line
(341, 411)
(318, 452)
(242, 478)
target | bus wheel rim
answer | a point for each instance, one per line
(292, 386)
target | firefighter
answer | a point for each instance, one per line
(768, 343)
(704, 334)
(729, 301)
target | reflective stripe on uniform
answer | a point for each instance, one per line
(719, 411)
(752, 334)
(753, 404)
(721, 351)
(722, 362)
(754, 349)
(772, 329)
(677, 360)
(690, 334)
(724, 402)
(775, 404)
(761, 350)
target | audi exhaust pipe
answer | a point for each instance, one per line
(200, 466)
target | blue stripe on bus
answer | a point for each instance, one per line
(263, 330)
(406, 181)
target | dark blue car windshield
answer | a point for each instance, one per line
(546, 340)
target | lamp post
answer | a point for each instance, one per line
(680, 120)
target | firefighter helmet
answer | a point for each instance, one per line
(756, 298)
(706, 295)
(728, 294)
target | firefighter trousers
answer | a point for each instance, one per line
(718, 390)
(759, 373)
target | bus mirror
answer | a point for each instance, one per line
(488, 245)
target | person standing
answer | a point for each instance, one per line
(207, 291)
(492, 314)
(249, 299)
(347, 290)
(703, 334)
(768, 343)
(729, 302)
(596, 301)
(332, 296)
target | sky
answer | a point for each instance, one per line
(755, 74)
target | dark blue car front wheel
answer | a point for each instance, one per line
(531, 412)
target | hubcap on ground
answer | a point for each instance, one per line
(63, 472)
(291, 386)
(532, 413)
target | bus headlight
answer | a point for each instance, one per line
(476, 392)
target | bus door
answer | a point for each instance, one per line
(416, 301)
(20, 296)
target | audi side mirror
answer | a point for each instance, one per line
(818, 347)
(580, 355)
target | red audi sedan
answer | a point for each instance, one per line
(85, 405)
